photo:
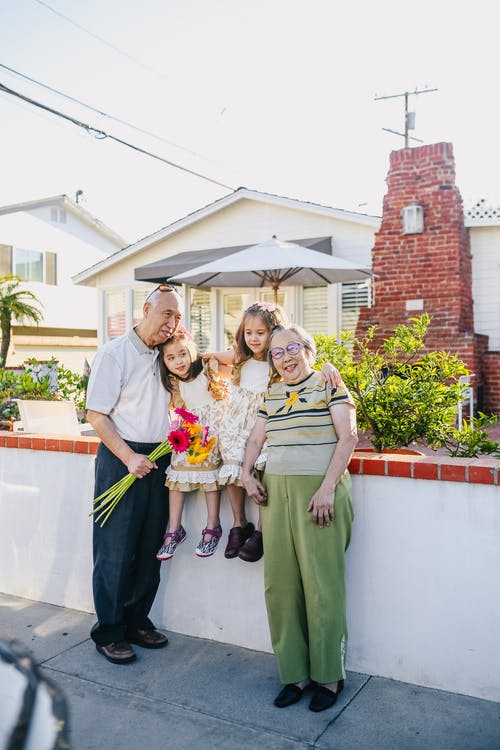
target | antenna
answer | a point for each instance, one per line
(409, 116)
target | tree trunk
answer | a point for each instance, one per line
(5, 328)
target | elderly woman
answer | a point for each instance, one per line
(306, 516)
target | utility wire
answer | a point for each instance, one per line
(102, 40)
(102, 113)
(101, 134)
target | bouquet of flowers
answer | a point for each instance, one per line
(186, 436)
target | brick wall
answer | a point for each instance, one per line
(491, 364)
(432, 269)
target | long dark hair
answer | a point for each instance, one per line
(271, 315)
(167, 377)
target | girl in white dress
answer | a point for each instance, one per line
(194, 386)
(252, 374)
(250, 379)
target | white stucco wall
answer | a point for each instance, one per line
(422, 570)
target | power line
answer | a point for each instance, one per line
(102, 113)
(101, 134)
(101, 39)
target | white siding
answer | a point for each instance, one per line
(245, 222)
(485, 248)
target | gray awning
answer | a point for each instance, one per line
(162, 270)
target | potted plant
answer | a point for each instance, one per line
(40, 369)
(403, 394)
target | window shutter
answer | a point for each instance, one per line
(315, 311)
(5, 259)
(139, 300)
(201, 318)
(115, 314)
(51, 268)
(355, 295)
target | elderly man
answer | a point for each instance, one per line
(128, 409)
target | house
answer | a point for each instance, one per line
(247, 217)
(242, 218)
(46, 242)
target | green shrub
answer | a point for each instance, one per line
(402, 395)
(473, 439)
(30, 385)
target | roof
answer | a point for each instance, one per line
(70, 205)
(240, 194)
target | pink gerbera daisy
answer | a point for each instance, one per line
(186, 415)
(179, 440)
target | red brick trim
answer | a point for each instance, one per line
(473, 470)
(58, 443)
(445, 468)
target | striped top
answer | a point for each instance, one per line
(299, 428)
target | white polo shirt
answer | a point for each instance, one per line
(125, 385)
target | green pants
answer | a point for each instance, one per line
(304, 579)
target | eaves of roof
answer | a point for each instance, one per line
(70, 205)
(241, 193)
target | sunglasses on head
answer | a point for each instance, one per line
(292, 348)
(161, 288)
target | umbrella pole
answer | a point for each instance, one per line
(275, 290)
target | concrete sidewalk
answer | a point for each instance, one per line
(198, 693)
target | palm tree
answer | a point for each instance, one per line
(14, 303)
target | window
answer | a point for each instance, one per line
(201, 318)
(235, 304)
(28, 264)
(58, 215)
(32, 265)
(139, 297)
(115, 313)
(355, 295)
(315, 309)
(268, 296)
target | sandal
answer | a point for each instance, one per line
(171, 541)
(205, 549)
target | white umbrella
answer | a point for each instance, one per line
(274, 263)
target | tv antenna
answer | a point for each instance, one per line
(409, 116)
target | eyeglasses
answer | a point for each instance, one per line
(162, 288)
(292, 348)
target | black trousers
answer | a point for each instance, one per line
(126, 572)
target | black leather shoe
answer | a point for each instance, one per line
(147, 638)
(117, 653)
(289, 695)
(237, 538)
(253, 549)
(324, 698)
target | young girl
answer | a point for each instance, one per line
(193, 386)
(252, 375)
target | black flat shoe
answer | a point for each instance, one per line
(288, 695)
(324, 698)
(253, 549)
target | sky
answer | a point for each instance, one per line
(275, 95)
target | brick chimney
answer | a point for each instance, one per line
(429, 271)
